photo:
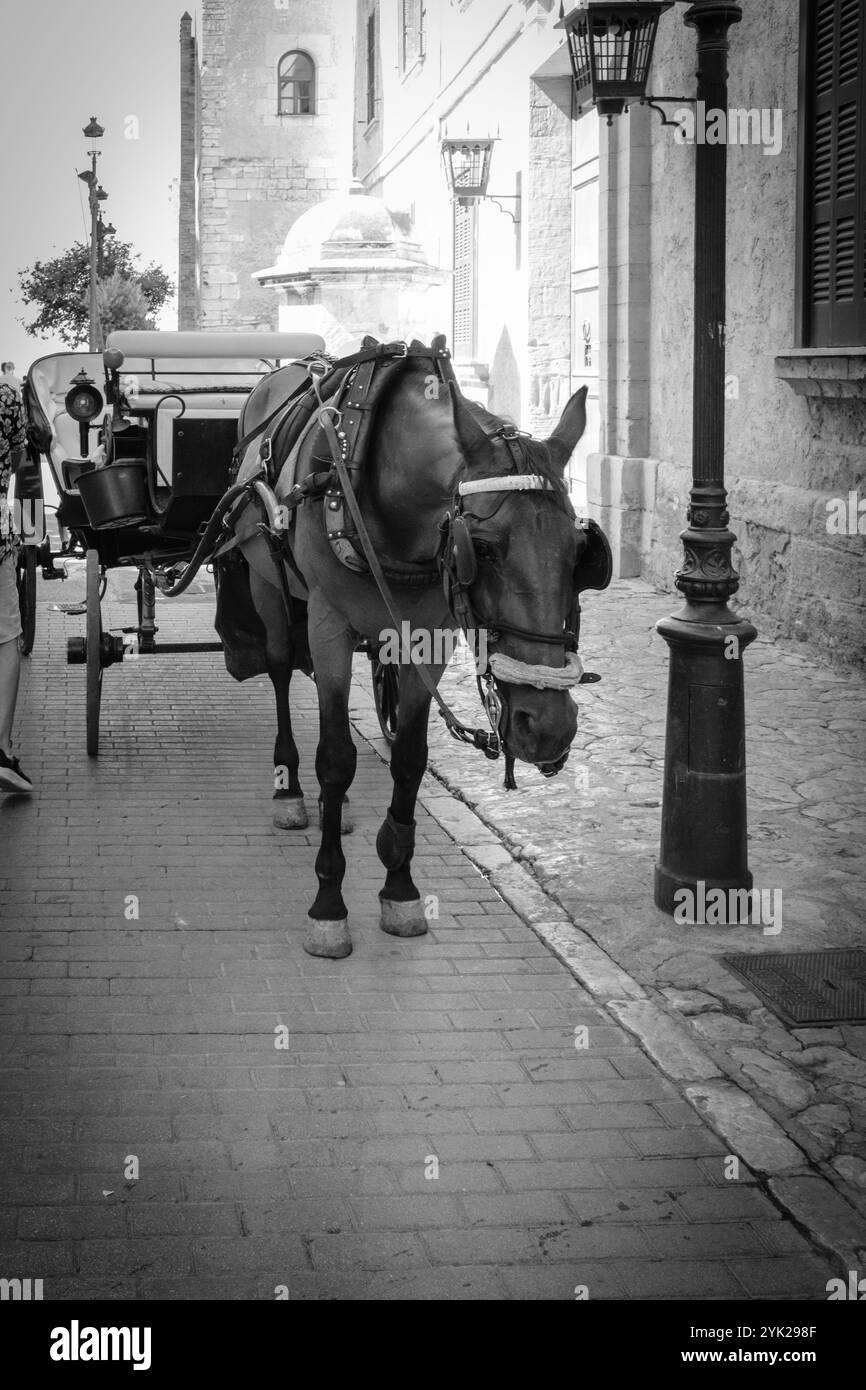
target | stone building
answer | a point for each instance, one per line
(577, 268)
(594, 283)
(264, 136)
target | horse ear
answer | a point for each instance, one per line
(568, 432)
(474, 443)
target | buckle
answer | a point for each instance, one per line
(318, 367)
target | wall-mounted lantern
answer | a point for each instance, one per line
(467, 169)
(610, 45)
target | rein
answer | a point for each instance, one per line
(489, 743)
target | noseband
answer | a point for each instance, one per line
(459, 567)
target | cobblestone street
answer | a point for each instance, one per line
(434, 1126)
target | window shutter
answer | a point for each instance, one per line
(836, 202)
(464, 280)
(372, 93)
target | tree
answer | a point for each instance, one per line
(121, 304)
(60, 288)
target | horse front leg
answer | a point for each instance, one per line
(402, 912)
(336, 757)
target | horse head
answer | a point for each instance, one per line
(519, 580)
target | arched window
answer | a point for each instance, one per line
(296, 84)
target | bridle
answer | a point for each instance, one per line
(459, 569)
(458, 565)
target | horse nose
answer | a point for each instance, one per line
(534, 727)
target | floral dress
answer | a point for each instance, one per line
(11, 437)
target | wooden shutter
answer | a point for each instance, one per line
(371, 67)
(465, 280)
(835, 211)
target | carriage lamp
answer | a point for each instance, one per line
(467, 169)
(83, 402)
(610, 46)
(704, 814)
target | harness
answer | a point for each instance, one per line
(342, 397)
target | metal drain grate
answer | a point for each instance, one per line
(804, 987)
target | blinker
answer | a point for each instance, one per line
(463, 553)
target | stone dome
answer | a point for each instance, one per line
(350, 231)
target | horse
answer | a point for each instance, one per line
(462, 523)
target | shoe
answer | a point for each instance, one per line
(12, 779)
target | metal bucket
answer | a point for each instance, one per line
(116, 495)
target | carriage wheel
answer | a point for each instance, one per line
(95, 589)
(386, 693)
(25, 573)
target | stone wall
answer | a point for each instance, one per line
(258, 170)
(786, 454)
(549, 253)
(189, 266)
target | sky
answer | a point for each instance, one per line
(61, 62)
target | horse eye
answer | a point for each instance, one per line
(483, 550)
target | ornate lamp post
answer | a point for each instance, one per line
(703, 834)
(96, 194)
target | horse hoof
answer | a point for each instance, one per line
(291, 813)
(347, 825)
(328, 939)
(402, 919)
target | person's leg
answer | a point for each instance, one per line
(10, 665)
(10, 661)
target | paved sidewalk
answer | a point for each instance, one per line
(150, 1044)
(591, 837)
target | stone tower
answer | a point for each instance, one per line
(266, 132)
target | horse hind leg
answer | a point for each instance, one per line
(402, 912)
(290, 812)
(336, 759)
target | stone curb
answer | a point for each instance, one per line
(752, 1134)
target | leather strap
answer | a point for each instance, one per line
(489, 743)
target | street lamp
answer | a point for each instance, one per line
(703, 836)
(611, 48)
(467, 169)
(96, 194)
